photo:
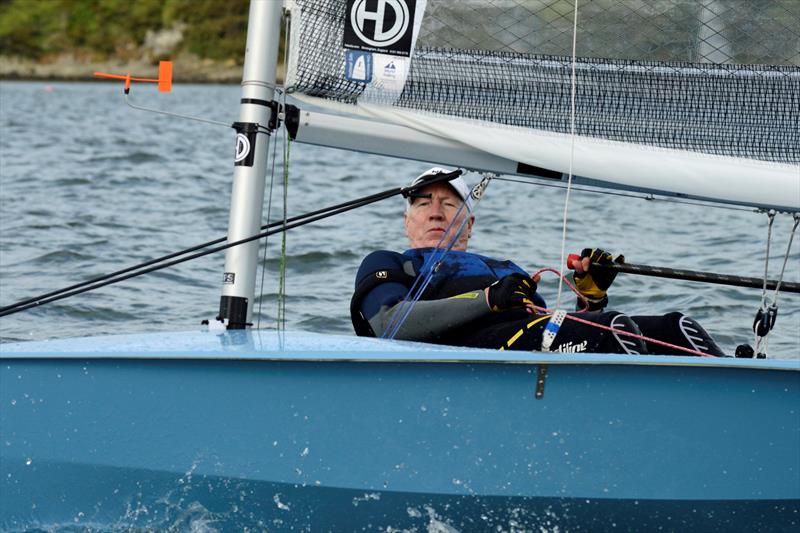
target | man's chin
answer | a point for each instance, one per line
(438, 243)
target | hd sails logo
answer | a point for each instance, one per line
(383, 26)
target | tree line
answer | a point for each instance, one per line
(107, 29)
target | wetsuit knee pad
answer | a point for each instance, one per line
(626, 343)
(695, 336)
(581, 337)
(679, 329)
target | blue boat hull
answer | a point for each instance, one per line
(272, 440)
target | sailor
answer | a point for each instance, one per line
(478, 301)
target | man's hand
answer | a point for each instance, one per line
(512, 291)
(594, 285)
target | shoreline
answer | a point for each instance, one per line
(186, 69)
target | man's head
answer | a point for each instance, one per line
(431, 210)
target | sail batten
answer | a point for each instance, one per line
(720, 111)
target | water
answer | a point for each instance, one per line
(88, 186)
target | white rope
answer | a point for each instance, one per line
(561, 262)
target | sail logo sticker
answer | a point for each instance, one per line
(384, 26)
(358, 66)
(228, 278)
(242, 147)
(390, 71)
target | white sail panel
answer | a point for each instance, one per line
(675, 172)
(700, 100)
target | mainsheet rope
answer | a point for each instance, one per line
(573, 84)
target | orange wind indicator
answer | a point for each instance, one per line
(164, 80)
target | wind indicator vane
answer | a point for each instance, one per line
(164, 80)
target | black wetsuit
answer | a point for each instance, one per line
(453, 310)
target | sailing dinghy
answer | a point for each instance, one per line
(242, 429)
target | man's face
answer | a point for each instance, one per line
(427, 218)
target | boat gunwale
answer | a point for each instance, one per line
(300, 346)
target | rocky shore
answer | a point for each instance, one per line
(187, 68)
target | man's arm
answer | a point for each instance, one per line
(429, 320)
(382, 284)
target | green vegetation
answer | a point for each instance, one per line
(104, 29)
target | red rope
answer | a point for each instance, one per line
(637, 336)
(608, 328)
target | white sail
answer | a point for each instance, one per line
(708, 119)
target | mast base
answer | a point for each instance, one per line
(234, 308)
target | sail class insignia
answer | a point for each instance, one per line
(387, 30)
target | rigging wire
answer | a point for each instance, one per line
(768, 311)
(281, 301)
(282, 283)
(643, 196)
(573, 82)
(771, 218)
(176, 115)
(786, 258)
(266, 239)
(761, 342)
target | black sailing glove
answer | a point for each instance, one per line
(593, 285)
(514, 290)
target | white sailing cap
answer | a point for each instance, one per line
(458, 184)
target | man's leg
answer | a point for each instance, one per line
(679, 329)
(576, 336)
(526, 334)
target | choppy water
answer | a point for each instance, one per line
(88, 185)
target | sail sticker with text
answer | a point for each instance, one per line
(358, 66)
(384, 26)
(390, 71)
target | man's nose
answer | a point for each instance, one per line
(437, 211)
